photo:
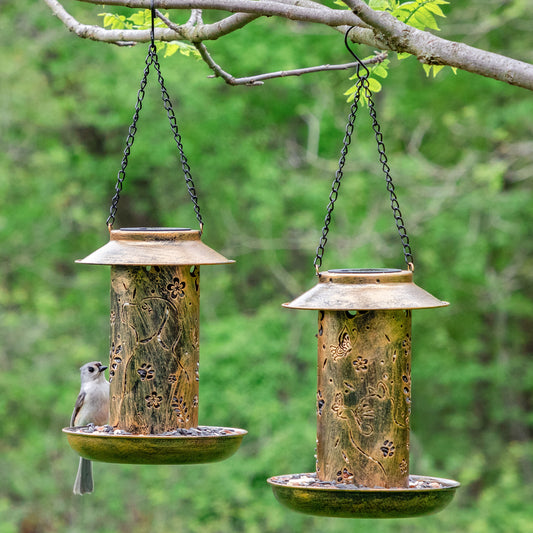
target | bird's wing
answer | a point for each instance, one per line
(77, 407)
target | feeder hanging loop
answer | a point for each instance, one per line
(362, 87)
(152, 59)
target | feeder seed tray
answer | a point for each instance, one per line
(305, 494)
(207, 446)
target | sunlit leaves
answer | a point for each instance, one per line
(142, 20)
(181, 47)
(419, 13)
(378, 70)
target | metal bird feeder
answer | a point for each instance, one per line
(154, 345)
(364, 381)
(154, 352)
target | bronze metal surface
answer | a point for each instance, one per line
(365, 290)
(155, 246)
(364, 397)
(154, 353)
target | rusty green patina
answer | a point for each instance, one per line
(155, 450)
(365, 502)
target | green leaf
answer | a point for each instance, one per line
(183, 48)
(428, 69)
(116, 22)
(434, 8)
(420, 13)
(374, 85)
(139, 18)
(437, 69)
(380, 5)
(381, 71)
(403, 55)
(170, 49)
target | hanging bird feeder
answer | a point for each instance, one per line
(364, 381)
(154, 345)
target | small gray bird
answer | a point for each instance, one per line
(92, 405)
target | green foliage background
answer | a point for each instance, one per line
(461, 152)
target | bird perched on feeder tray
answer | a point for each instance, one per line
(92, 406)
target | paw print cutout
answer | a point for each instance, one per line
(146, 372)
(388, 448)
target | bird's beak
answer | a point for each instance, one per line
(102, 368)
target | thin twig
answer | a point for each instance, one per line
(260, 78)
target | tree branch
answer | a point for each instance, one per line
(210, 32)
(269, 8)
(374, 28)
(96, 33)
(433, 50)
(260, 78)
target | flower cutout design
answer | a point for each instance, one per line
(388, 448)
(153, 400)
(172, 378)
(146, 372)
(404, 467)
(360, 364)
(176, 288)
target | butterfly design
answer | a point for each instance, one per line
(343, 348)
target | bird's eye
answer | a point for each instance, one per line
(91, 369)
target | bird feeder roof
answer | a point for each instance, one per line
(155, 246)
(365, 290)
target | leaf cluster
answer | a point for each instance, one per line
(142, 20)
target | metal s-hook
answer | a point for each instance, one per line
(152, 31)
(361, 64)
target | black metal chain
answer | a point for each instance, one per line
(362, 86)
(395, 206)
(152, 59)
(333, 195)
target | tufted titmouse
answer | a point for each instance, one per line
(92, 405)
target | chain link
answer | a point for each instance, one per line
(395, 206)
(333, 195)
(132, 130)
(152, 59)
(362, 87)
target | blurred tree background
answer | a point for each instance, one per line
(461, 152)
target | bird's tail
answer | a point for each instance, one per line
(84, 478)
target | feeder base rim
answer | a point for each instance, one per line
(363, 502)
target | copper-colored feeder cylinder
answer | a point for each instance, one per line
(364, 374)
(154, 345)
